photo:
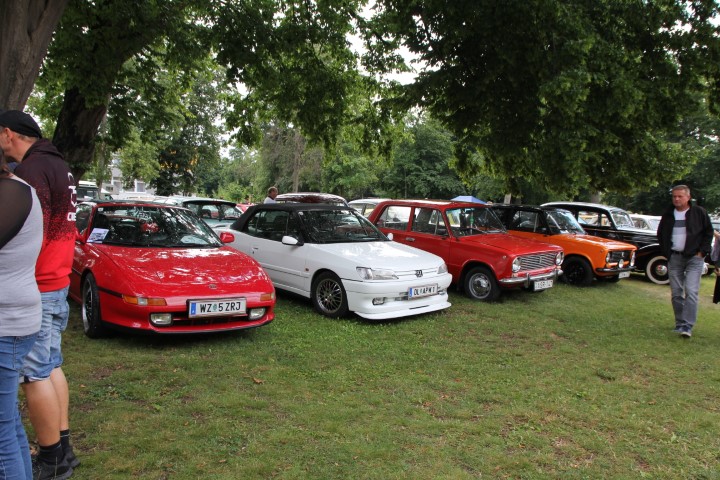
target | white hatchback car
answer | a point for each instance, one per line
(343, 263)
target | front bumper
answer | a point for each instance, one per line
(614, 270)
(528, 279)
(362, 297)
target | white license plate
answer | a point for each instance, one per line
(542, 285)
(214, 308)
(417, 292)
(624, 274)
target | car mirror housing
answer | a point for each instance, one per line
(227, 237)
(389, 236)
(288, 240)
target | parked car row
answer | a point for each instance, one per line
(158, 266)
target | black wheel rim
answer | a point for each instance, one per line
(87, 308)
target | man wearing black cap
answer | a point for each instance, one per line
(44, 383)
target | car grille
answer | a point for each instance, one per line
(620, 255)
(535, 262)
(413, 274)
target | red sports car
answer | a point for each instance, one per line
(159, 268)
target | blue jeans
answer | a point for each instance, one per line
(14, 450)
(46, 355)
(685, 273)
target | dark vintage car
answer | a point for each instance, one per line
(615, 223)
(481, 256)
(586, 256)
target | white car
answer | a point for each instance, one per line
(343, 263)
(646, 222)
(366, 205)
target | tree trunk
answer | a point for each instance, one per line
(26, 27)
(75, 132)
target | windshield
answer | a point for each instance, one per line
(214, 213)
(474, 221)
(622, 219)
(562, 221)
(339, 226)
(146, 226)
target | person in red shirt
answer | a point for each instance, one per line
(42, 378)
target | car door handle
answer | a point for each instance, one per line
(410, 239)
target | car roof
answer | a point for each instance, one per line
(194, 199)
(126, 202)
(581, 205)
(310, 197)
(368, 201)
(522, 205)
(436, 203)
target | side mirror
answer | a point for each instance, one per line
(292, 241)
(390, 236)
(227, 237)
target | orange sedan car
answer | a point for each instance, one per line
(586, 256)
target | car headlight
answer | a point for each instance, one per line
(632, 259)
(516, 265)
(256, 313)
(608, 257)
(442, 269)
(144, 301)
(559, 258)
(376, 274)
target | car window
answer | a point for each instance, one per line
(473, 221)
(598, 219)
(622, 219)
(269, 224)
(562, 221)
(338, 226)
(525, 221)
(150, 227)
(429, 220)
(82, 217)
(395, 217)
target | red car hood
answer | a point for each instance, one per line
(510, 243)
(184, 271)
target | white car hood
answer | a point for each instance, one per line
(390, 255)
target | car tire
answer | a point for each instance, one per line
(480, 284)
(92, 324)
(656, 270)
(577, 271)
(328, 296)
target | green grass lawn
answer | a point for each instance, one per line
(568, 383)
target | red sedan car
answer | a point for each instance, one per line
(479, 253)
(159, 268)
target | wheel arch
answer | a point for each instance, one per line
(469, 266)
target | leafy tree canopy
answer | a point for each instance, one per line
(567, 93)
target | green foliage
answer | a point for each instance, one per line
(190, 162)
(138, 160)
(567, 94)
(421, 165)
